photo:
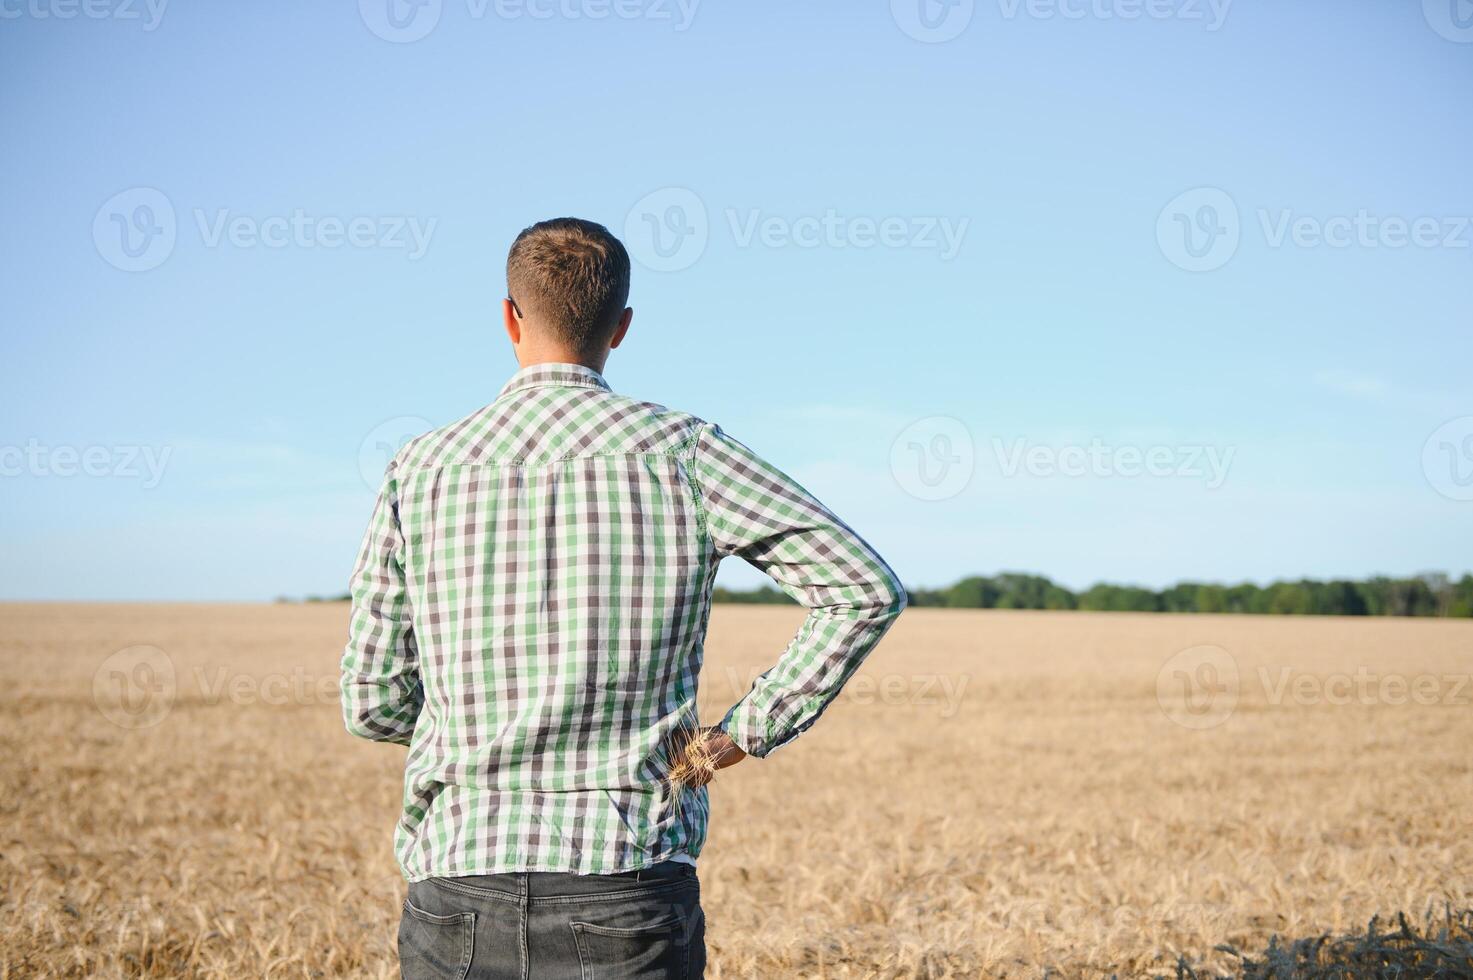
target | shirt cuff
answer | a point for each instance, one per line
(748, 727)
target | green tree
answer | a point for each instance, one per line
(1341, 598)
(976, 592)
(1461, 599)
(1246, 598)
(1181, 598)
(1019, 590)
(1213, 599)
(1119, 598)
(1288, 599)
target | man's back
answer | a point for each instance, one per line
(529, 610)
(530, 607)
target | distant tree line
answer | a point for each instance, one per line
(1433, 594)
(764, 596)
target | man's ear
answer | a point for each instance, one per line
(512, 321)
(624, 321)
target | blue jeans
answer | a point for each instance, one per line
(640, 925)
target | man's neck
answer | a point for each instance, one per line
(560, 357)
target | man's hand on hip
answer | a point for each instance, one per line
(696, 761)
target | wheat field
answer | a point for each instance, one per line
(998, 794)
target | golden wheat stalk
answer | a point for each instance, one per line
(693, 761)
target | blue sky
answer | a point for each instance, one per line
(937, 266)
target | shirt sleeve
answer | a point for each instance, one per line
(755, 511)
(380, 680)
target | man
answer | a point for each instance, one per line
(529, 608)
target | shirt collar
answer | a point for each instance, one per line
(554, 375)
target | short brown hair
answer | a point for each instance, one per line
(573, 276)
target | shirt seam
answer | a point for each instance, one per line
(524, 461)
(553, 384)
(688, 456)
(424, 873)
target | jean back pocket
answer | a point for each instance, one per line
(659, 950)
(435, 947)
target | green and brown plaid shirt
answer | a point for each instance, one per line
(529, 608)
